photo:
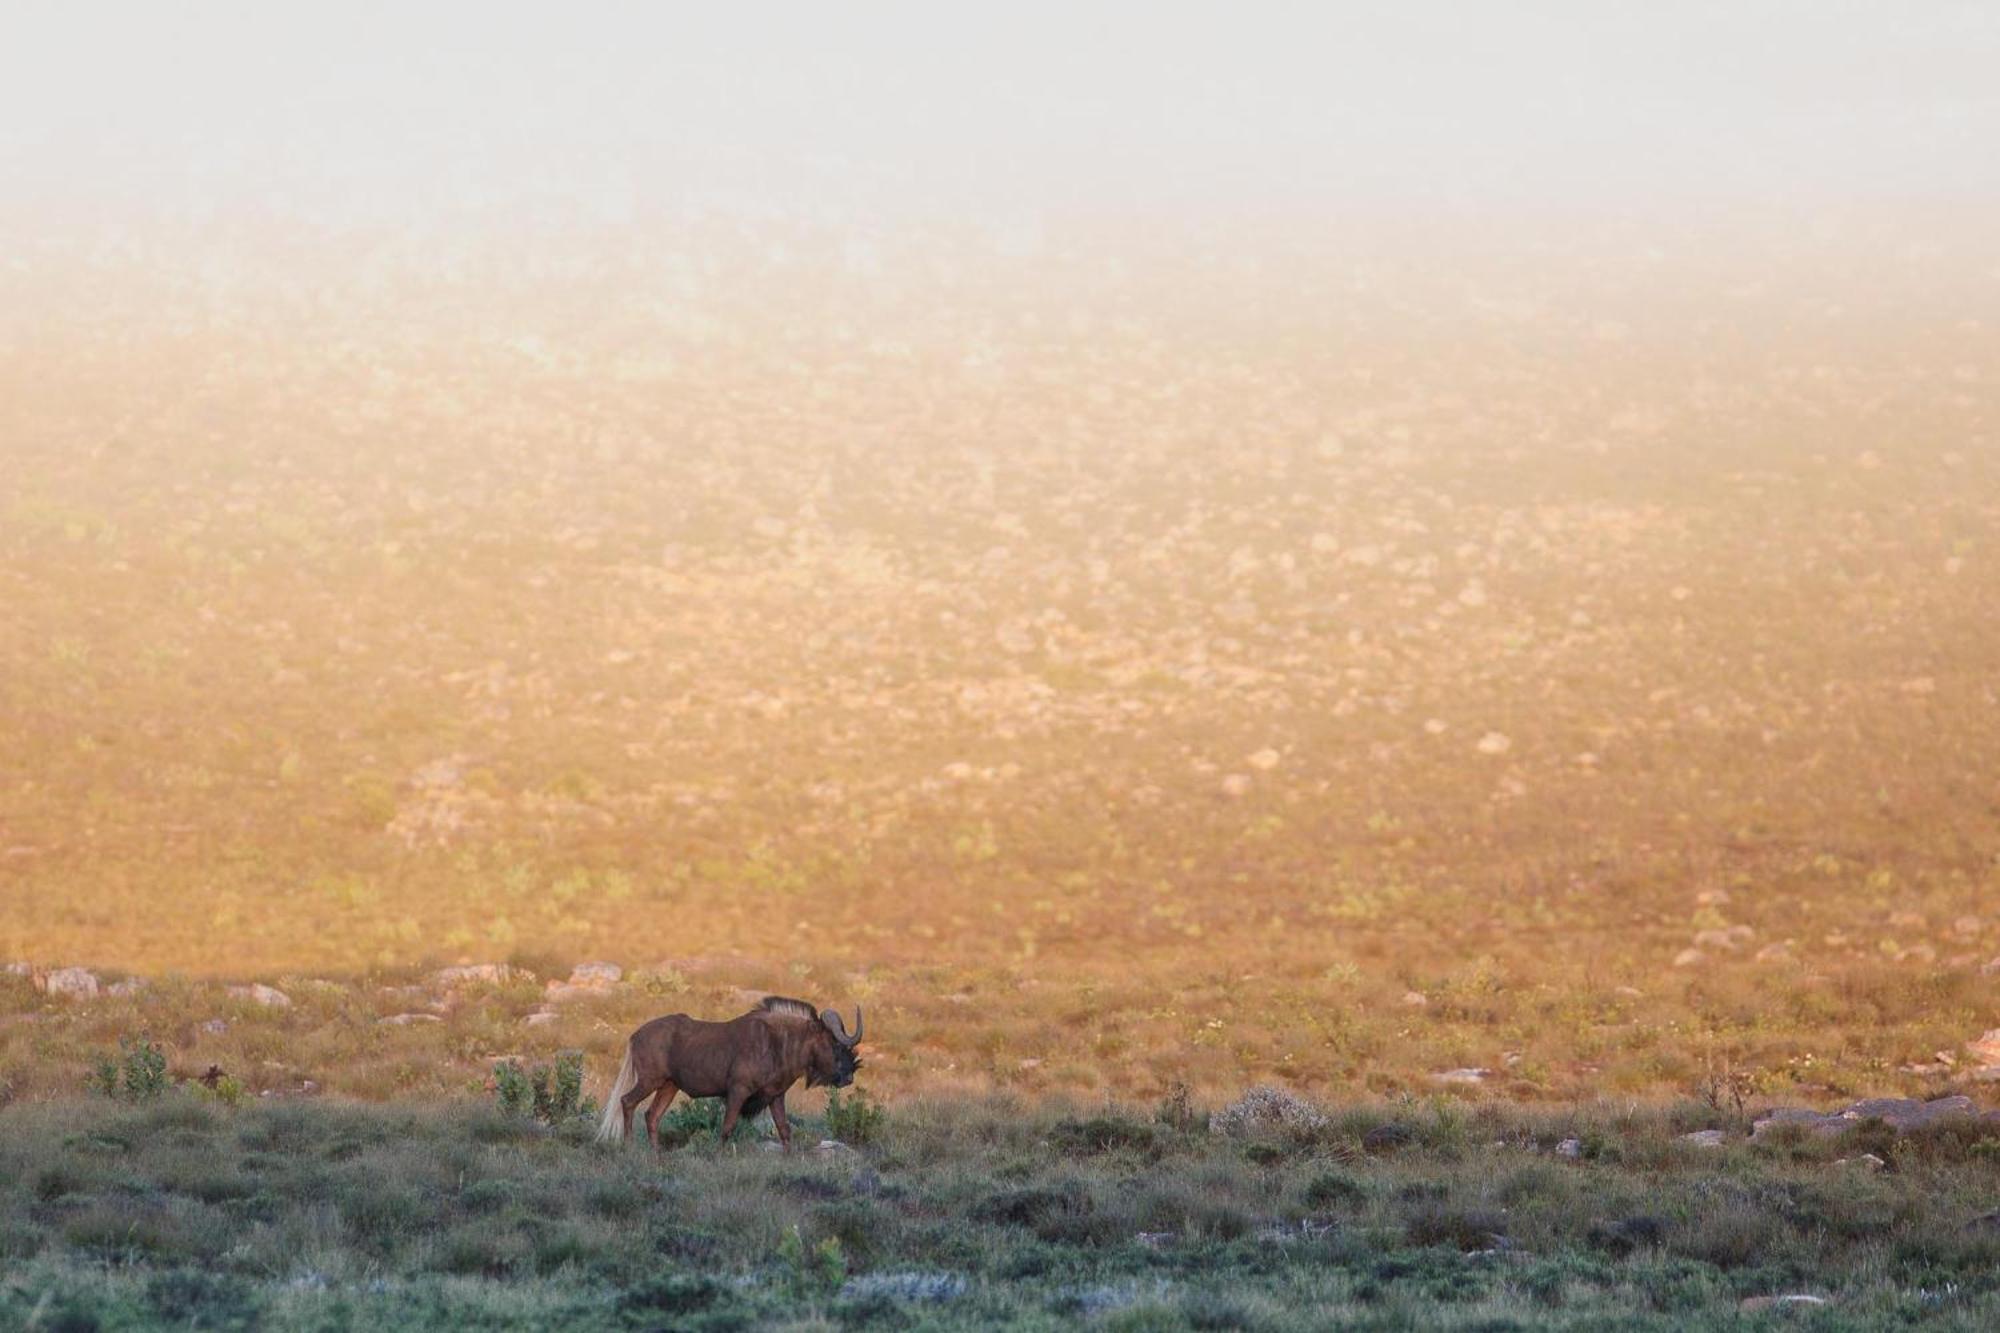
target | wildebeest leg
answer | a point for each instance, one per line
(778, 1119)
(653, 1112)
(732, 1110)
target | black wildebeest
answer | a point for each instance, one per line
(750, 1062)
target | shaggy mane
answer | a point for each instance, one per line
(778, 1004)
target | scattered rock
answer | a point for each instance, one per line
(586, 979)
(1570, 1148)
(1794, 1301)
(1867, 1161)
(404, 1020)
(1899, 1113)
(475, 974)
(1707, 1138)
(71, 983)
(268, 996)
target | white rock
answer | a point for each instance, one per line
(1570, 1148)
(268, 996)
(1707, 1138)
(1264, 760)
(473, 974)
(832, 1147)
(1867, 1161)
(1462, 1075)
(1494, 742)
(404, 1020)
(75, 983)
(539, 1017)
(1987, 1048)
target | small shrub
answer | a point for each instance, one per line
(1177, 1111)
(819, 1270)
(1100, 1133)
(225, 1089)
(854, 1119)
(1464, 1229)
(691, 1118)
(1265, 1109)
(138, 1075)
(1329, 1188)
(552, 1096)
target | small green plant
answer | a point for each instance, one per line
(553, 1096)
(138, 1075)
(511, 1089)
(691, 1118)
(854, 1119)
(220, 1087)
(1177, 1111)
(816, 1271)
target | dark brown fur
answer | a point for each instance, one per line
(750, 1062)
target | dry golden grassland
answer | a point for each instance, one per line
(1228, 659)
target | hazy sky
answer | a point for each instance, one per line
(405, 110)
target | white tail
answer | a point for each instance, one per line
(612, 1127)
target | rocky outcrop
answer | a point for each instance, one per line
(1899, 1113)
(586, 979)
(70, 983)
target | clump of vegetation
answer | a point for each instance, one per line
(855, 1118)
(139, 1074)
(815, 1270)
(551, 1095)
(167, 1214)
(1264, 1110)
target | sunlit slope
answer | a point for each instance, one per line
(1178, 654)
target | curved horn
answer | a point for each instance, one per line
(831, 1017)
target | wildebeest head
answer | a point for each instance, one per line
(834, 1061)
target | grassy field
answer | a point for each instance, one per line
(1204, 657)
(975, 1214)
